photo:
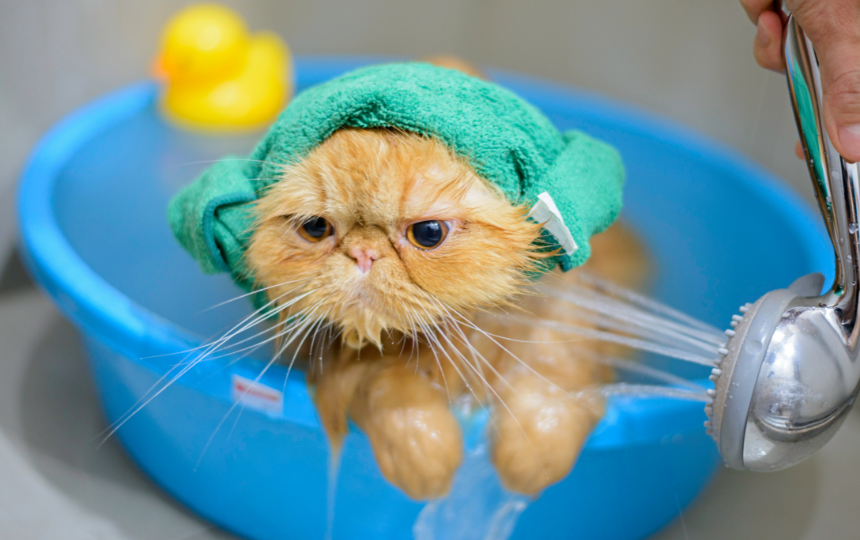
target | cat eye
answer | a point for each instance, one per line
(315, 229)
(427, 234)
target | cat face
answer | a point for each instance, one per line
(378, 231)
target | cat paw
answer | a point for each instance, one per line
(538, 440)
(418, 449)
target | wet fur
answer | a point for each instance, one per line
(418, 330)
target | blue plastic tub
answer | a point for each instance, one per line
(92, 210)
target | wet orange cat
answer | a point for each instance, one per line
(391, 242)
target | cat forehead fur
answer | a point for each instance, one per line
(381, 177)
(371, 185)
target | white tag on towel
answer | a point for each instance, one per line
(545, 211)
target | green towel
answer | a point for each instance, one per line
(505, 139)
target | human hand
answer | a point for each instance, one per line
(833, 26)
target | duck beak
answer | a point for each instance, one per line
(158, 71)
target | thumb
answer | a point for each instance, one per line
(833, 26)
(840, 80)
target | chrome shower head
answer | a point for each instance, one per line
(790, 371)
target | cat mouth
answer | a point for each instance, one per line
(369, 314)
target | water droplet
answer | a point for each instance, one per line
(753, 346)
(853, 228)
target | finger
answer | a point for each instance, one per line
(842, 114)
(754, 8)
(835, 33)
(798, 150)
(767, 47)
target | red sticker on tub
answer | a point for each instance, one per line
(257, 395)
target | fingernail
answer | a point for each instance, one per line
(849, 136)
(762, 36)
(798, 150)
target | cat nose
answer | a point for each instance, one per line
(363, 257)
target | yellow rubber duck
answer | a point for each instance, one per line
(218, 77)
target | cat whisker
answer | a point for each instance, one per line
(475, 327)
(403, 339)
(417, 322)
(325, 341)
(209, 161)
(473, 352)
(255, 291)
(475, 367)
(266, 315)
(482, 401)
(477, 355)
(226, 335)
(147, 398)
(209, 341)
(410, 334)
(309, 327)
(240, 399)
(435, 345)
(324, 332)
(504, 405)
(295, 321)
(315, 332)
(288, 324)
(328, 337)
(416, 350)
(275, 327)
(293, 360)
(480, 376)
(306, 330)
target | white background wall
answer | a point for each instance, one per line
(689, 60)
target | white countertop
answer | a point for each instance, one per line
(56, 483)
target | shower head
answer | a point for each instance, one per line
(790, 371)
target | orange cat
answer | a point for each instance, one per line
(393, 242)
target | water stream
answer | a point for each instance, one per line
(477, 507)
